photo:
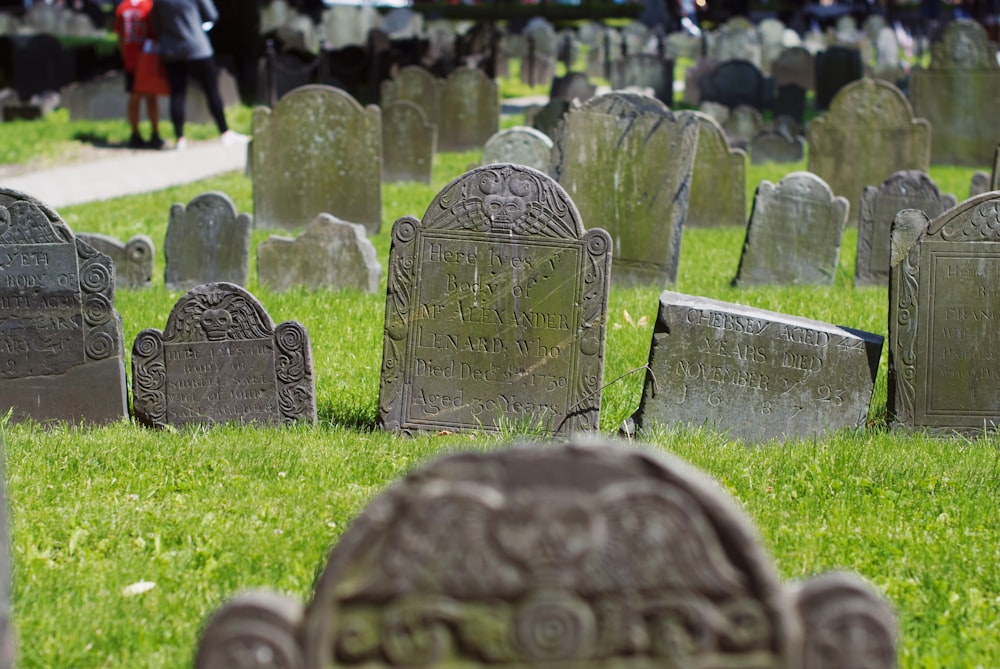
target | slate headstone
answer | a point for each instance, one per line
(208, 240)
(546, 119)
(790, 101)
(133, 260)
(470, 110)
(573, 86)
(538, 65)
(221, 359)
(495, 309)
(520, 145)
(718, 180)
(773, 146)
(62, 354)
(795, 65)
(408, 143)
(417, 85)
(645, 70)
(836, 67)
(755, 375)
(794, 233)
(35, 64)
(737, 82)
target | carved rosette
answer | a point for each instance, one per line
(293, 366)
(102, 336)
(149, 378)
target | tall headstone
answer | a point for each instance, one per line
(772, 32)
(495, 309)
(62, 354)
(795, 65)
(538, 65)
(522, 146)
(736, 39)
(906, 189)
(626, 160)
(794, 233)
(408, 143)
(944, 301)
(718, 180)
(417, 85)
(317, 151)
(755, 375)
(133, 260)
(207, 240)
(869, 133)
(836, 67)
(345, 25)
(221, 359)
(958, 95)
(645, 70)
(737, 82)
(546, 119)
(742, 124)
(470, 110)
(692, 80)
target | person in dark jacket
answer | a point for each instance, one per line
(181, 27)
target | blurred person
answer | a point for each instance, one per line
(132, 28)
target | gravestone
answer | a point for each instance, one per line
(906, 189)
(495, 309)
(794, 65)
(62, 355)
(774, 146)
(736, 39)
(815, 42)
(133, 260)
(836, 67)
(207, 240)
(317, 151)
(35, 64)
(470, 110)
(586, 554)
(520, 145)
(692, 80)
(626, 160)
(408, 143)
(772, 33)
(790, 102)
(330, 253)
(718, 180)
(737, 82)
(7, 645)
(888, 65)
(538, 65)
(682, 44)
(755, 375)
(344, 25)
(794, 233)
(958, 95)
(944, 370)
(982, 182)
(645, 71)
(546, 119)
(869, 133)
(636, 38)
(417, 85)
(742, 124)
(719, 112)
(573, 86)
(221, 359)
(403, 23)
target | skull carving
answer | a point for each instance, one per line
(215, 323)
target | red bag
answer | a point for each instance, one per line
(150, 75)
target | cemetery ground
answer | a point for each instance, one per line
(125, 539)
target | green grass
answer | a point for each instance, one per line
(207, 513)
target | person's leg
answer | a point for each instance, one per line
(132, 111)
(177, 78)
(203, 71)
(153, 112)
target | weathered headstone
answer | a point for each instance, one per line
(626, 160)
(790, 102)
(330, 253)
(906, 189)
(982, 182)
(317, 151)
(345, 25)
(743, 123)
(35, 64)
(133, 260)
(717, 111)
(888, 65)
(794, 233)
(62, 354)
(538, 65)
(692, 80)
(645, 70)
(417, 85)
(774, 146)
(772, 32)
(584, 554)
(408, 143)
(869, 133)
(403, 23)
(755, 375)
(207, 240)
(794, 65)
(573, 86)
(737, 82)
(495, 309)
(944, 302)
(520, 145)
(718, 181)
(736, 39)
(836, 67)
(221, 359)
(470, 110)
(958, 95)
(546, 119)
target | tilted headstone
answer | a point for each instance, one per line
(207, 240)
(773, 146)
(736, 39)
(470, 110)
(869, 133)
(520, 145)
(944, 303)
(737, 82)
(330, 253)
(62, 354)
(408, 143)
(794, 233)
(221, 359)
(645, 71)
(585, 554)
(573, 86)
(836, 67)
(794, 65)
(417, 85)
(133, 260)
(906, 189)
(755, 375)
(495, 309)
(317, 151)
(626, 160)
(958, 95)
(718, 181)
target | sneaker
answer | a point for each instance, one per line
(231, 138)
(181, 144)
(155, 143)
(135, 141)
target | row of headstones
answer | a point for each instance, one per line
(342, 26)
(51, 19)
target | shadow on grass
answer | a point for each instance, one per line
(361, 419)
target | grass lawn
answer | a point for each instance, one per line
(205, 513)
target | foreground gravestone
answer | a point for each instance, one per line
(755, 375)
(906, 189)
(718, 181)
(470, 110)
(794, 233)
(317, 151)
(626, 161)
(520, 145)
(330, 253)
(207, 240)
(221, 359)
(408, 143)
(62, 353)
(7, 646)
(588, 554)
(133, 260)
(944, 302)
(495, 309)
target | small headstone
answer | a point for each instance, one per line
(836, 67)
(736, 39)
(408, 143)
(790, 102)
(220, 360)
(795, 65)
(682, 44)
(470, 110)
(546, 119)
(906, 189)
(495, 309)
(774, 146)
(743, 123)
(794, 233)
(645, 71)
(718, 181)
(207, 240)
(980, 184)
(403, 23)
(133, 260)
(520, 145)
(944, 302)
(573, 86)
(692, 80)
(717, 111)
(737, 82)
(755, 375)
(62, 354)
(330, 253)
(417, 85)
(636, 37)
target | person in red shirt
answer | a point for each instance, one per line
(132, 28)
